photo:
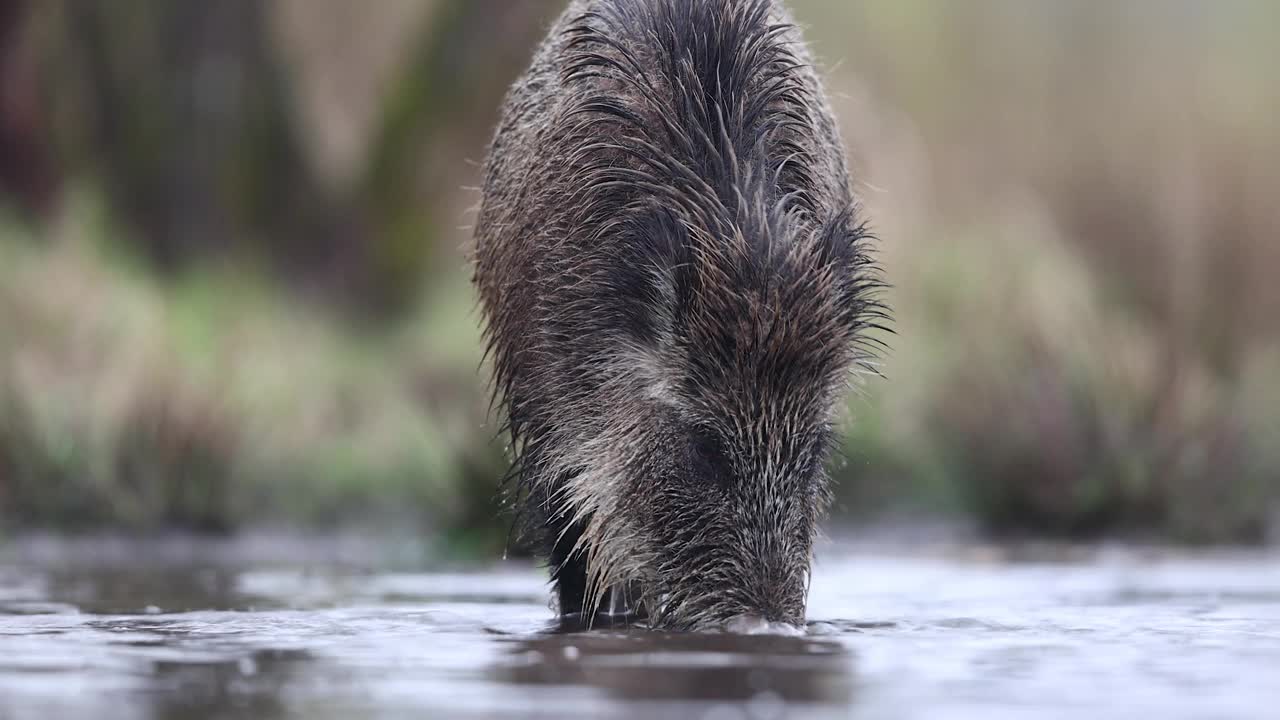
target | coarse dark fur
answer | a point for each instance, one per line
(677, 288)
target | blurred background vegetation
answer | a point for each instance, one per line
(234, 290)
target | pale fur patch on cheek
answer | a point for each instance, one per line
(614, 547)
(655, 381)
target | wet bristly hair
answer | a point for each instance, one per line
(677, 289)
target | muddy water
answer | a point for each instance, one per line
(132, 632)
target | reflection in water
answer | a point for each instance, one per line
(642, 665)
(249, 686)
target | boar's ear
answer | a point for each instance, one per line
(844, 244)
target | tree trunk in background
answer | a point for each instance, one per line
(436, 123)
(183, 111)
(183, 116)
(26, 168)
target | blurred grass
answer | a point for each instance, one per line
(215, 400)
(1076, 202)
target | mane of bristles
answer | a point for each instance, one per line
(694, 91)
(706, 99)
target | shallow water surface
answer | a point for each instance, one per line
(208, 632)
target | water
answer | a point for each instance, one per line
(124, 631)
